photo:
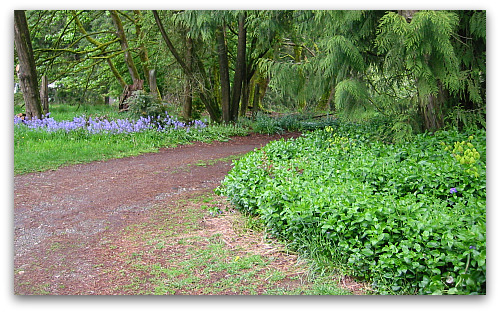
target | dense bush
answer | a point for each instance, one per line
(409, 217)
(143, 104)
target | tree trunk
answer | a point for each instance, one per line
(239, 74)
(224, 75)
(124, 45)
(153, 86)
(432, 110)
(44, 94)
(143, 52)
(143, 55)
(330, 104)
(188, 91)
(256, 97)
(245, 97)
(263, 88)
(26, 70)
(429, 113)
(128, 92)
(407, 14)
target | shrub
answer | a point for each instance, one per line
(143, 104)
(409, 217)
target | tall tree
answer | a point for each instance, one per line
(414, 68)
(27, 69)
(225, 87)
(187, 108)
(240, 67)
(234, 43)
(201, 77)
(419, 44)
(143, 52)
(74, 58)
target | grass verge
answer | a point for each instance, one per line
(40, 150)
(186, 249)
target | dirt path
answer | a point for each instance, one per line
(73, 226)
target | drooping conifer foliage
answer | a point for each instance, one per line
(421, 70)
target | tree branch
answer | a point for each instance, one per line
(169, 43)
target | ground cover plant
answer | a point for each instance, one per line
(48, 143)
(410, 218)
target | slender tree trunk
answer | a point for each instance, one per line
(115, 72)
(224, 75)
(124, 45)
(256, 97)
(153, 86)
(44, 94)
(240, 69)
(245, 97)
(26, 70)
(143, 52)
(188, 91)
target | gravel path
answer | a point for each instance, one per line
(71, 209)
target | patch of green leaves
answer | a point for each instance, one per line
(405, 216)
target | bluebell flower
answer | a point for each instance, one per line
(453, 190)
(97, 125)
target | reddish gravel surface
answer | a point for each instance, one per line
(71, 209)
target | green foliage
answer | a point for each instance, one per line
(144, 104)
(408, 217)
(411, 71)
(468, 120)
(425, 46)
(68, 59)
(266, 124)
(351, 98)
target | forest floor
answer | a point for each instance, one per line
(148, 224)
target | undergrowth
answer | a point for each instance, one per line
(410, 218)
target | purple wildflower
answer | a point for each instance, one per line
(97, 125)
(453, 190)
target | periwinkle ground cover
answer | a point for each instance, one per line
(409, 217)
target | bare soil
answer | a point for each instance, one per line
(76, 228)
